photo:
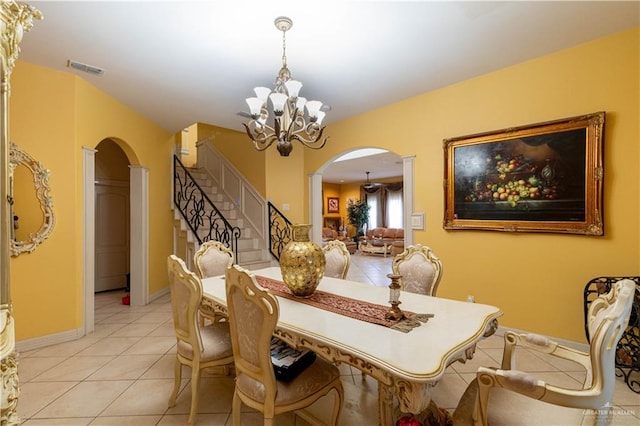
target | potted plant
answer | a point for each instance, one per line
(358, 215)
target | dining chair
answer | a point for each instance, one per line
(212, 259)
(608, 317)
(420, 268)
(197, 347)
(253, 315)
(338, 259)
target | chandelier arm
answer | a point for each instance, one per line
(306, 131)
(262, 140)
(312, 140)
(311, 144)
(262, 145)
(252, 131)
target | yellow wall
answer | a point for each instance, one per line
(287, 183)
(53, 115)
(537, 279)
(186, 140)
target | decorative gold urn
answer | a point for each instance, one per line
(302, 263)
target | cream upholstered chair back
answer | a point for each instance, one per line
(186, 296)
(212, 259)
(420, 268)
(197, 348)
(607, 319)
(253, 315)
(338, 259)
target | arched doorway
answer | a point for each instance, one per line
(316, 195)
(139, 231)
(112, 220)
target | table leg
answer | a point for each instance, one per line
(418, 405)
(385, 404)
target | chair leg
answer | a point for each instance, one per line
(480, 408)
(235, 409)
(195, 385)
(177, 374)
(337, 403)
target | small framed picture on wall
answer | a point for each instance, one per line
(333, 205)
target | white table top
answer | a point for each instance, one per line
(420, 355)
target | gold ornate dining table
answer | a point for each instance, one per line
(406, 365)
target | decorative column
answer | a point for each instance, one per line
(15, 20)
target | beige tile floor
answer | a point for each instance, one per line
(123, 374)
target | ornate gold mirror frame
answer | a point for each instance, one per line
(15, 20)
(18, 157)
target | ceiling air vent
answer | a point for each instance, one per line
(84, 67)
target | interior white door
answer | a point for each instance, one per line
(112, 236)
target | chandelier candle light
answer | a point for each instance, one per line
(288, 109)
(394, 313)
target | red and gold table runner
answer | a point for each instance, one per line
(353, 308)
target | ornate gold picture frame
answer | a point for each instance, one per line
(544, 177)
(38, 189)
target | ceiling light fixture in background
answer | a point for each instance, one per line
(370, 185)
(288, 109)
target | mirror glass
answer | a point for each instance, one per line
(31, 204)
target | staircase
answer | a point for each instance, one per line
(251, 251)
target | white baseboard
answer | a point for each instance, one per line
(157, 295)
(48, 340)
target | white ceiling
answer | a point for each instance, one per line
(181, 62)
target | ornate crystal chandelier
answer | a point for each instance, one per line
(288, 109)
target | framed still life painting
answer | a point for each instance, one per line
(544, 177)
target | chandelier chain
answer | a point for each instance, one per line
(284, 48)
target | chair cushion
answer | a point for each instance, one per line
(389, 233)
(378, 232)
(511, 409)
(214, 263)
(216, 339)
(315, 377)
(335, 263)
(417, 275)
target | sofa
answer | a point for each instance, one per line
(330, 234)
(382, 241)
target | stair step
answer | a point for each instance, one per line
(258, 264)
(247, 244)
(251, 255)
